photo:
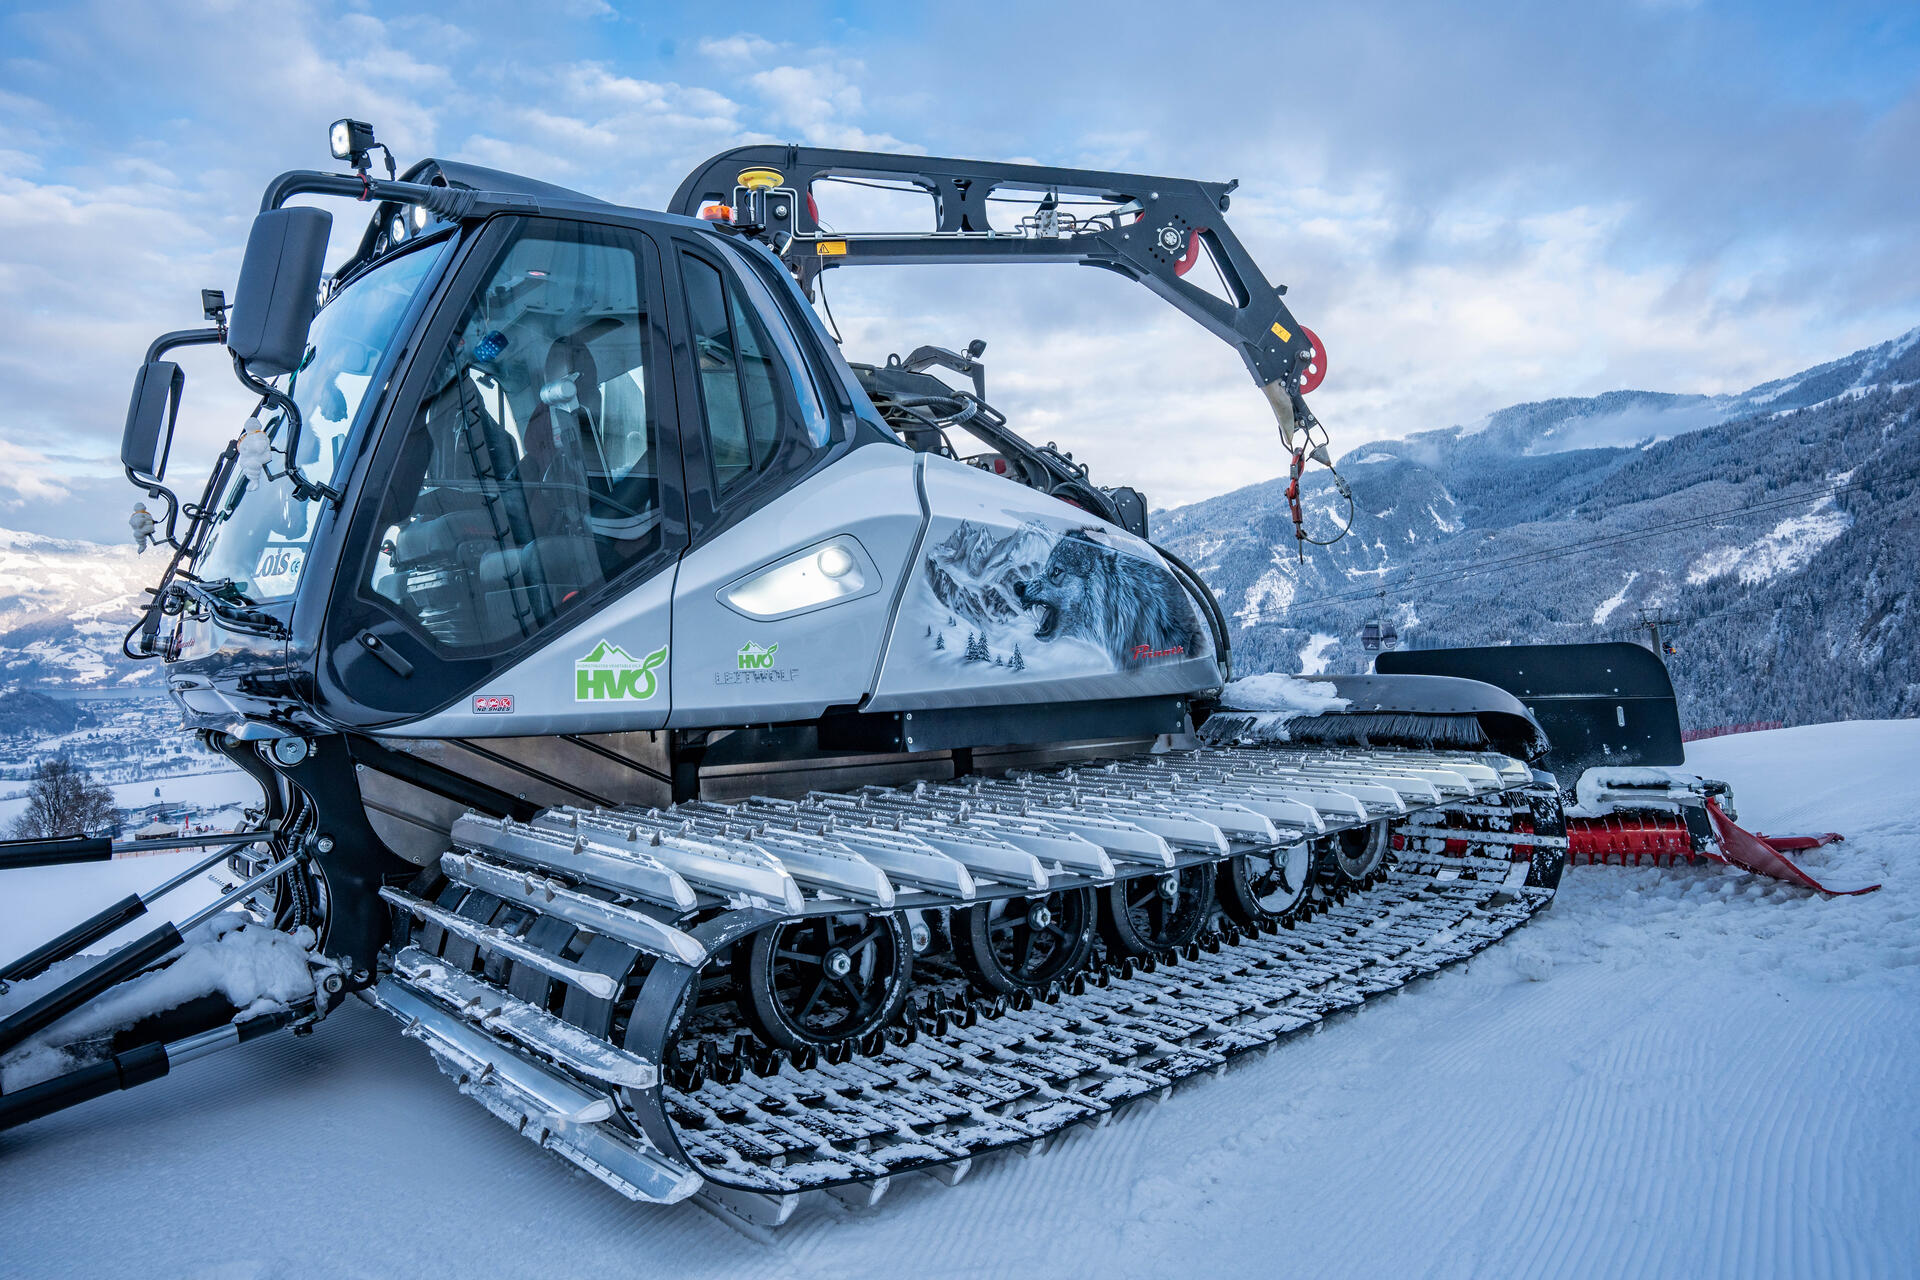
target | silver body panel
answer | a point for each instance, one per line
(983, 535)
(821, 657)
(944, 622)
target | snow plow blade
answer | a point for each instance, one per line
(1600, 704)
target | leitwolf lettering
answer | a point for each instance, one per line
(611, 674)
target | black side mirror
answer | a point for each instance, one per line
(150, 416)
(279, 286)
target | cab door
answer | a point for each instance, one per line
(799, 539)
(510, 562)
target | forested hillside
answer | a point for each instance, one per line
(1776, 529)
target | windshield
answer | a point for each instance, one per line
(260, 535)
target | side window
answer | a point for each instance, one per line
(530, 476)
(738, 384)
(806, 391)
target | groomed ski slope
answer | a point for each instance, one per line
(1673, 1072)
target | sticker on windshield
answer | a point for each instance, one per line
(277, 571)
(611, 674)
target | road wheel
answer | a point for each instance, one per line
(1023, 944)
(1154, 914)
(824, 979)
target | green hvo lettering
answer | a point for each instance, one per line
(616, 683)
(610, 674)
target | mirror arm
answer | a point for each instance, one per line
(303, 488)
(154, 489)
(185, 338)
(199, 524)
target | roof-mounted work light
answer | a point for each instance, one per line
(352, 141)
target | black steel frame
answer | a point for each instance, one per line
(1174, 217)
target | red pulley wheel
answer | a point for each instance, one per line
(1316, 371)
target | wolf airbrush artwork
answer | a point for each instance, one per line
(1046, 602)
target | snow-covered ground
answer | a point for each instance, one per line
(212, 789)
(1674, 1072)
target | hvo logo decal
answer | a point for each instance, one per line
(611, 674)
(755, 658)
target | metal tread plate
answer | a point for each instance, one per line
(1020, 1076)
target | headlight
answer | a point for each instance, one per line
(836, 561)
(820, 575)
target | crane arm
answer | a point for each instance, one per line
(1150, 229)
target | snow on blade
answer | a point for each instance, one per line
(1284, 693)
(244, 963)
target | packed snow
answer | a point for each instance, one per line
(1674, 1072)
(255, 968)
(1278, 692)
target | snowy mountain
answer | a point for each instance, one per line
(1683, 506)
(64, 606)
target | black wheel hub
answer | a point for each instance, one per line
(1269, 887)
(1024, 944)
(824, 979)
(1154, 914)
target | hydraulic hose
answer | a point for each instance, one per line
(1200, 591)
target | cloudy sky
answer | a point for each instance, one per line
(1473, 205)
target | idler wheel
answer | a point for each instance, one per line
(1267, 888)
(1025, 944)
(1154, 914)
(814, 982)
(1358, 852)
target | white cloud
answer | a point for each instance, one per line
(821, 103)
(28, 473)
(743, 49)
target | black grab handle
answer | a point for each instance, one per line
(15, 854)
